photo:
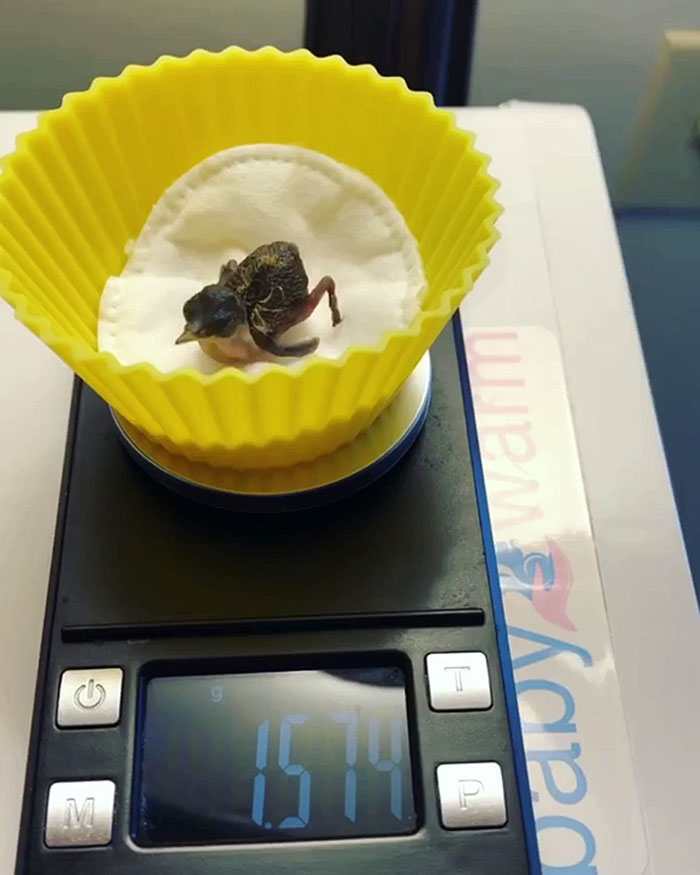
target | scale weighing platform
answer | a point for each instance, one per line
(322, 690)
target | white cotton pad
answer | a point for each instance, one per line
(231, 203)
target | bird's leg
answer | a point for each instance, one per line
(269, 344)
(325, 286)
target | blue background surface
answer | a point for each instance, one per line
(662, 258)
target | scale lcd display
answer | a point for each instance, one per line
(274, 756)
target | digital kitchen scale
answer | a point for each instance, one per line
(321, 689)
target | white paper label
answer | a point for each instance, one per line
(581, 776)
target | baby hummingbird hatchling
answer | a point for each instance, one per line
(269, 292)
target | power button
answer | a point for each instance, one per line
(90, 697)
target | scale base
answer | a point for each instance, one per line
(299, 487)
(149, 582)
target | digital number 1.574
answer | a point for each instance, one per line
(348, 799)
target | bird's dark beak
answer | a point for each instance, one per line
(187, 336)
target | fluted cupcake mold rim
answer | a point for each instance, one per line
(78, 352)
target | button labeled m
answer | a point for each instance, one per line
(79, 818)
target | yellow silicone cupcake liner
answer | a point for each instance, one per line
(81, 185)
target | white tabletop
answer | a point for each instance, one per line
(652, 608)
(34, 398)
